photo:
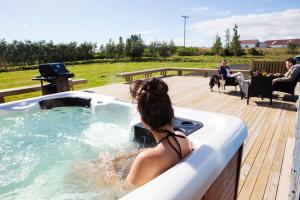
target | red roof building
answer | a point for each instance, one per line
(269, 42)
(281, 43)
(249, 43)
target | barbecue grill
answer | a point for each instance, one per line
(57, 77)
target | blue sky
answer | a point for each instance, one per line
(156, 20)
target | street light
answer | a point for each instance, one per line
(185, 17)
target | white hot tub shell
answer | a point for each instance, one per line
(203, 174)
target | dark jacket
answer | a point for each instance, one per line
(222, 71)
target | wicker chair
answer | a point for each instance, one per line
(229, 81)
(288, 86)
(260, 87)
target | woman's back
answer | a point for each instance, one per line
(155, 108)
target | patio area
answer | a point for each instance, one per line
(268, 150)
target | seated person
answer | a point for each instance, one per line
(277, 77)
(155, 108)
(223, 72)
(215, 79)
(288, 82)
(291, 66)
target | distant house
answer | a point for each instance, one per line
(249, 43)
(281, 43)
(262, 45)
(269, 43)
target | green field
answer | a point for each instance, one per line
(99, 74)
(96, 74)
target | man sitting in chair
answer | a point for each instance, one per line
(223, 72)
(287, 82)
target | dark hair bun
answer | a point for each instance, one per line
(155, 86)
(153, 101)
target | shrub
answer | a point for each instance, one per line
(188, 51)
(255, 52)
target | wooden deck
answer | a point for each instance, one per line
(268, 150)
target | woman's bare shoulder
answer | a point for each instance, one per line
(148, 154)
(144, 167)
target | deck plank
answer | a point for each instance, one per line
(285, 174)
(253, 162)
(262, 179)
(255, 133)
(267, 156)
(272, 186)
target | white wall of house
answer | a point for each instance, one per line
(248, 45)
(262, 45)
(278, 46)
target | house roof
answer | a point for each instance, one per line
(296, 41)
(248, 41)
(282, 42)
(269, 42)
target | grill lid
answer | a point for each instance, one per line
(54, 70)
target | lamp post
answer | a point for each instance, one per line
(185, 17)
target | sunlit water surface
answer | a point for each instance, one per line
(40, 152)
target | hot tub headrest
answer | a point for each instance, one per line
(143, 137)
(65, 101)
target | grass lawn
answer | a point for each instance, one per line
(96, 74)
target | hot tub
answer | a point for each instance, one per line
(211, 171)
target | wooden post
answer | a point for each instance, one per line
(2, 99)
(205, 73)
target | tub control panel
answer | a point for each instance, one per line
(143, 137)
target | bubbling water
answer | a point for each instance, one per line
(43, 152)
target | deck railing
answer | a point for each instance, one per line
(294, 193)
(163, 72)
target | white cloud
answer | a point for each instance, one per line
(24, 25)
(263, 26)
(206, 11)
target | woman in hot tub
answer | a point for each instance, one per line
(155, 108)
(139, 167)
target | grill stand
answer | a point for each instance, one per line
(59, 84)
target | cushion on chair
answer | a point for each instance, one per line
(231, 81)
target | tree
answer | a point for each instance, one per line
(164, 50)
(172, 47)
(3, 50)
(134, 47)
(153, 49)
(227, 43)
(110, 49)
(235, 45)
(120, 48)
(102, 52)
(217, 46)
(291, 47)
(30, 53)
